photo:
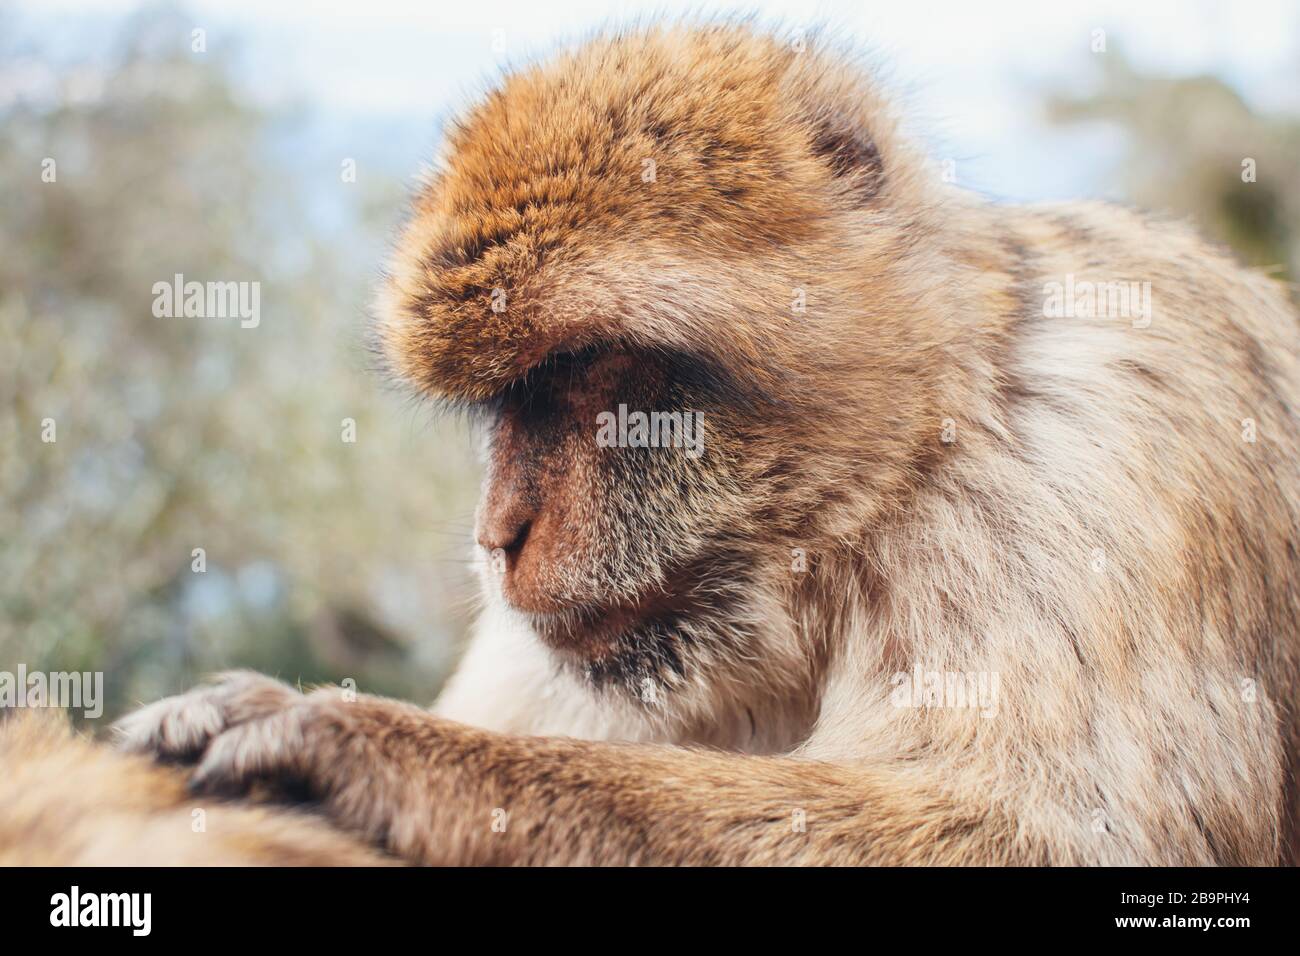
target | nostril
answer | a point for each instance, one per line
(517, 542)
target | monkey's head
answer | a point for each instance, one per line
(695, 220)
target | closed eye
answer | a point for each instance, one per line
(685, 379)
(540, 390)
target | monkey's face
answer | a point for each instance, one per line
(613, 497)
(659, 281)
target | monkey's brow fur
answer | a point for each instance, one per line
(942, 476)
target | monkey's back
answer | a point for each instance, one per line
(1217, 372)
(67, 801)
(1131, 505)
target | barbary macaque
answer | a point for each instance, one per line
(65, 801)
(989, 555)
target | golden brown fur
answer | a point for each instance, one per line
(694, 661)
(67, 801)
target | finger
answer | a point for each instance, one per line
(174, 728)
(245, 696)
(260, 750)
(179, 728)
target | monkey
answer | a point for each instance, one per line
(68, 801)
(989, 557)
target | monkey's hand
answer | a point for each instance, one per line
(362, 759)
(181, 727)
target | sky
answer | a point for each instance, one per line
(972, 75)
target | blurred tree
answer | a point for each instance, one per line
(324, 558)
(1188, 140)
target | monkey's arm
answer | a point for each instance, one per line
(434, 791)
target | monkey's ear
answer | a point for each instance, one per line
(851, 155)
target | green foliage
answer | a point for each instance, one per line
(1187, 141)
(325, 559)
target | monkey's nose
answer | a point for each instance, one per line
(505, 533)
(505, 518)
